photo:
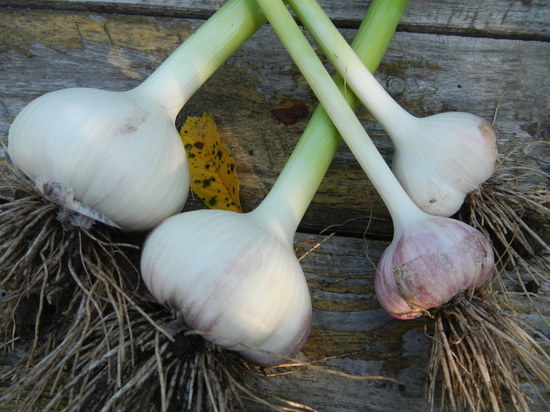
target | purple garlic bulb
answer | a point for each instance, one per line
(430, 260)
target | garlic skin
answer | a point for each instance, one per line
(233, 276)
(443, 158)
(430, 261)
(105, 147)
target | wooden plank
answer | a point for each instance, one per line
(48, 50)
(489, 18)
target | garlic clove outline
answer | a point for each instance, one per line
(441, 158)
(233, 276)
(431, 260)
(119, 152)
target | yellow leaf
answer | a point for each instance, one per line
(211, 166)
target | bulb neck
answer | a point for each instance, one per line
(294, 189)
(192, 63)
(400, 206)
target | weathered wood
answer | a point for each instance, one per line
(489, 18)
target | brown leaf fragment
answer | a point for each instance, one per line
(288, 111)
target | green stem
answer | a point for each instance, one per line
(395, 120)
(192, 63)
(300, 178)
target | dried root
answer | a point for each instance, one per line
(104, 367)
(513, 210)
(481, 355)
(48, 267)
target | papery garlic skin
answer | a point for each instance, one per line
(443, 158)
(234, 277)
(119, 153)
(429, 262)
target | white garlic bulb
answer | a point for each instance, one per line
(117, 152)
(233, 276)
(442, 158)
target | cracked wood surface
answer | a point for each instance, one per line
(526, 19)
(448, 55)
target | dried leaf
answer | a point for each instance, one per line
(212, 168)
(288, 111)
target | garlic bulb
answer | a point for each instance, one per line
(233, 276)
(439, 159)
(431, 260)
(117, 152)
(117, 157)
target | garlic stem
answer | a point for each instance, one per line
(301, 176)
(192, 63)
(400, 206)
(393, 118)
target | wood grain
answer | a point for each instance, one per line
(489, 18)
